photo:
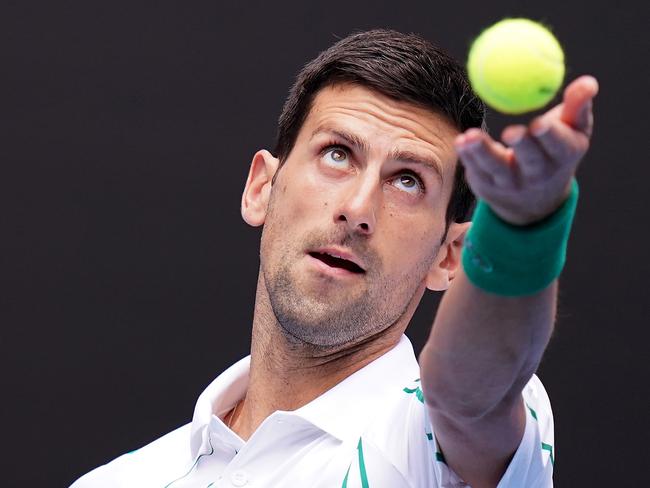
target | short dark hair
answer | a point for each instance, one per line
(404, 67)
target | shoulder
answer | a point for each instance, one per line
(159, 461)
(400, 435)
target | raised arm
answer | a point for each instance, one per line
(486, 343)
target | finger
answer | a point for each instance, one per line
(489, 157)
(563, 144)
(577, 103)
(473, 171)
(477, 179)
(461, 144)
(531, 159)
(513, 133)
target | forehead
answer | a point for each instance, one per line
(382, 120)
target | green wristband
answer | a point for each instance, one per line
(512, 260)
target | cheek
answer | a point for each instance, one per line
(308, 195)
(410, 241)
(298, 198)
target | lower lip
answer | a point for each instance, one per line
(329, 270)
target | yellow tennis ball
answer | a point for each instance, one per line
(516, 66)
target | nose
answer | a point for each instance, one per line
(357, 208)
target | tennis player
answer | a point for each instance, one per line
(364, 204)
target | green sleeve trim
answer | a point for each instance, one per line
(549, 448)
(440, 457)
(417, 391)
(532, 412)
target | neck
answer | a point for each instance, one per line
(286, 374)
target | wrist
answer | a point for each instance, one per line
(514, 260)
(535, 214)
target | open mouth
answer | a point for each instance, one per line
(336, 262)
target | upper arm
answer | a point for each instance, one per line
(479, 450)
(507, 453)
(482, 351)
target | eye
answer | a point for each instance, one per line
(409, 183)
(336, 156)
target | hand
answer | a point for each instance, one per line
(530, 179)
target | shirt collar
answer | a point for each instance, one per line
(219, 397)
(358, 395)
(345, 409)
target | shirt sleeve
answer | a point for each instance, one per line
(532, 464)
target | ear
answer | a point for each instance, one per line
(255, 199)
(446, 264)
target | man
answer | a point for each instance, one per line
(364, 205)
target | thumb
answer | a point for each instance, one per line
(576, 109)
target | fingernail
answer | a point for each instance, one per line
(469, 145)
(464, 143)
(516, 139)
(594, 84)
(540, 130)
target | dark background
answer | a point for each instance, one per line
(128, 275)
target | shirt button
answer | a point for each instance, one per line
(239, 478)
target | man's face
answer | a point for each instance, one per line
(356, 216)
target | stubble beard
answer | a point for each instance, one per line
(329, 322)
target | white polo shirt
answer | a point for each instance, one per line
(369, 431)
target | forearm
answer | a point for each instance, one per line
(483, 347)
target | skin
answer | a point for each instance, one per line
(313, 326)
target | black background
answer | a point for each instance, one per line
(128, 275)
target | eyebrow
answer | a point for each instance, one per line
(405, 156)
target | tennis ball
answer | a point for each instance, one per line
(516, 66)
